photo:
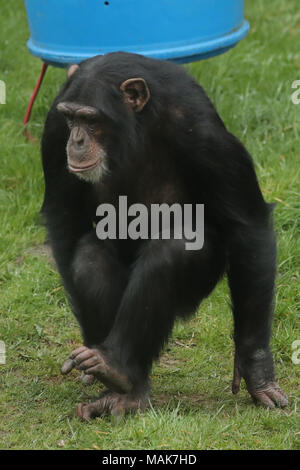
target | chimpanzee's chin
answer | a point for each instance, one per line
(93, 175)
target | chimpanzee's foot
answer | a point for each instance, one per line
(93, 362)
(267, 394)
(112, 403)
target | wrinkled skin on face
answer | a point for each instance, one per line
(86, 154)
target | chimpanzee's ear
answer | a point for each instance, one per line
(72, 69)
(136, 93)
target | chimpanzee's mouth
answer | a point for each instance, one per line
(79, 169)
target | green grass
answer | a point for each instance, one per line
(192, 405)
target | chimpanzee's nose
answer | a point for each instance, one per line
(78, 137)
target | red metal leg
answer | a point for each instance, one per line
(32, 100)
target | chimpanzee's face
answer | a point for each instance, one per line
(89, 130)
(86, 155)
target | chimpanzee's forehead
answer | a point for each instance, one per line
(87, 89)
(95, 93)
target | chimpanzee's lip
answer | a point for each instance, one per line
(78, 169)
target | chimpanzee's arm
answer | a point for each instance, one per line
(233, 197)
(88, 268)
(66, 218)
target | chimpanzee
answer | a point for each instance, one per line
(124, 124)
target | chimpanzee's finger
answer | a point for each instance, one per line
(236, 382)
(89, 362)
(77, 351)
(83, 356)
(278, 396)
(67, 366)
(270, 396)
(87, 379)
(261, 398)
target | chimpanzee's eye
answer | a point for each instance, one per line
(92, 126)
(70, 123)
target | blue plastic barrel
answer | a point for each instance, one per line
(69, 31)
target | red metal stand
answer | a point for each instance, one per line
(32, 100)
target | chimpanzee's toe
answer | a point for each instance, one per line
(270, 396)
(112, 403)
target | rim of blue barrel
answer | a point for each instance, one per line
(180, 53)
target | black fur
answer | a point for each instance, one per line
(127, 294)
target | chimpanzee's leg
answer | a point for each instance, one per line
(167, 281)
(98, 282)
